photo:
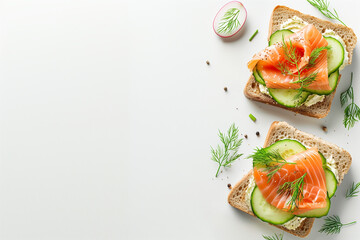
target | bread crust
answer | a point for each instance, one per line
(236, 197)
(319, 110)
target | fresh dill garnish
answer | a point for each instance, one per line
(270, 161)
(323, 7)
(353, 190)
(275, 237)
(348, 94)
(352, 111)
(292, 57)
(305, 82)
(315, 54)
(228, 153)
(254, 34)
(263, 158)
(230, 21)
(293, 189)
(333, 225)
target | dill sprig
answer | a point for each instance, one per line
(323, 7)
(270, 161)
(230, 21)
(305, 82)
(352, 111)
(290, 52)
(293, 189)
(275, 237)
(353, 190)
(333, 225)
(348, 94)
(292, 57)
(228, 153)
(315, 54)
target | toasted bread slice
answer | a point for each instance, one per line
(282, 130)
(281, 14)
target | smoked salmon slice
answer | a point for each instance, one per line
(272, 60)
(314, 193)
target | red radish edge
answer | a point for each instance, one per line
(220, 11)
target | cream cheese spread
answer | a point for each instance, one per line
(294, 24)
(330, 163)
(313, 99)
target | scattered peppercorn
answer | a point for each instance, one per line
(207, 62)
(245, 136)
(229, 186)
(257, 134)
(225, 89)
(324, 128)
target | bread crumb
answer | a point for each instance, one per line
(229, 186)
(257, 134)
(207, 62)
(225, 89)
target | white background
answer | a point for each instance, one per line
(108, 111)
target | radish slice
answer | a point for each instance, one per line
(230, 19)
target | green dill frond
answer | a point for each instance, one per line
(269, 161)
(352, 115)
(227, 153)
(353, 190)
(315, 54)
(293, 189)
(275, 237)
(323, 7)
(333, 225)
(348, 94)
(230, 21)
(352, 111)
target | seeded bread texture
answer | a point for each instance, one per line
(282, 130)
(281, 14)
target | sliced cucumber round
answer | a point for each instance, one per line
(286, 147)
(331, 182)
(258, 77)
(333, 81)
(265, 211)
(278, 35)
(317, 213)
(335, 55)
(323, 159)
(288, 97)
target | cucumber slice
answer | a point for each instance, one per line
(286, 97)
(331, 182)
(323, 159)
(258, 77)
(319, 212)
(335, 55)
(287, 147)
(333, 81)
(265, 211)
(278, 35)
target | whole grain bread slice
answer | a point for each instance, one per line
(279, 15)
(282, 130)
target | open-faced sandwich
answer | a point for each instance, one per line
(293, 179)
(299, 70)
